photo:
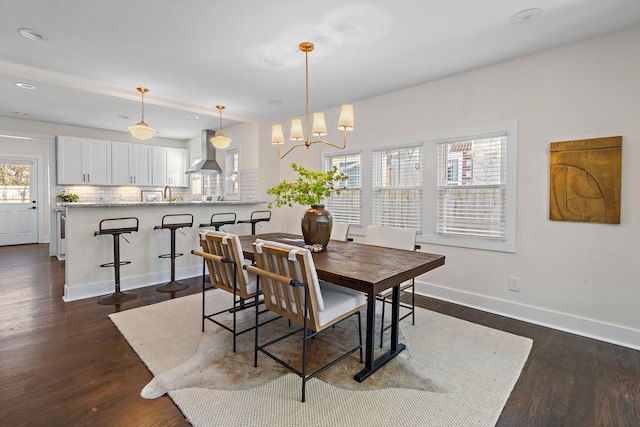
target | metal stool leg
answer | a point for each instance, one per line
(117, 297)
(173, 285)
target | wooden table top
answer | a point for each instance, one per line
(366, 268)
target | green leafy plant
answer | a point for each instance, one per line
(309, 189)
(67, 198)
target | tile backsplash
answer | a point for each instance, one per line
(94, 193)
(212, 184)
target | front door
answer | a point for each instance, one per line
(18, 201)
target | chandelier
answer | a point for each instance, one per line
(220, 140)
(319, 127)
(142, 130)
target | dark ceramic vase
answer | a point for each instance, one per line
(316, 226)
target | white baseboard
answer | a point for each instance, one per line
(90, 290)
(589, 328)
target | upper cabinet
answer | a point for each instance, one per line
(131, 164)
(169, 165)
(83, 161)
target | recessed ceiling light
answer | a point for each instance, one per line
(193, 117)
(274, 102)
(20, 113)
(32, 34)
(25, 85)
(524, 16)
(123, 117)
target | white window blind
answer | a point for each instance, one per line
(472, 187)
(231, 176)
(397, 187)
(345, 207)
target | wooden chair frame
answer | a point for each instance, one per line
(292, 297)
(222, 256)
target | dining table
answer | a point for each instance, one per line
(366, 268)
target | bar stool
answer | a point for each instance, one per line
(223, 218)
(119, 226)
(256, 217)
(173, 285)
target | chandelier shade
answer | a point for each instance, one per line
(319, 126)
(142, 130)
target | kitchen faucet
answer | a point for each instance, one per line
(165, 193)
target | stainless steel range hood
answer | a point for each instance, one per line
(208, 163)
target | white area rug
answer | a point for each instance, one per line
(456, 373)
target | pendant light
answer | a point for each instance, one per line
(319, 128)
(142, 130)
(220, 140)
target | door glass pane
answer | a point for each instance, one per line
(14, 183)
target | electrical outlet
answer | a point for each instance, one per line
(514, 284)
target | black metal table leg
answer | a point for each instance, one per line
(372, 365)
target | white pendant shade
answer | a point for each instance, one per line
(142, 131)
(345, 122)
(319, 125)
(220, 141)
(277, 137)
(296, 130)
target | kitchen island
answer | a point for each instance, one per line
(84, 278)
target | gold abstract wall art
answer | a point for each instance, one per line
(585, 180)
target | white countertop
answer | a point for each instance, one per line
(104, 204)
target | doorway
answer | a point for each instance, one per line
(20, 199)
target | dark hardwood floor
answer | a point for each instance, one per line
(66, 364)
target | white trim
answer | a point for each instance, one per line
(53, 249)
(41, 182)
(589, 328)
(95, 289)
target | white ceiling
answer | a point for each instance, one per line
(195, 54)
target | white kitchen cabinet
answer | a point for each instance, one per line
(131, 164)
(83, 161)
(169, 165)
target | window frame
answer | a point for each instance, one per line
(227, 175)
(420, 188)
(326, 156)
(430, 159)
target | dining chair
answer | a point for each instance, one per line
(339, 231)
(223, 255)
(289, 282)
(397, 238)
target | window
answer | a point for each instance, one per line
(196, 180)
(14, 183)
(474, 190)
(397, 187)
(345, 207)
(231, 174)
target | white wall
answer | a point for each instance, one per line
(575, 276)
